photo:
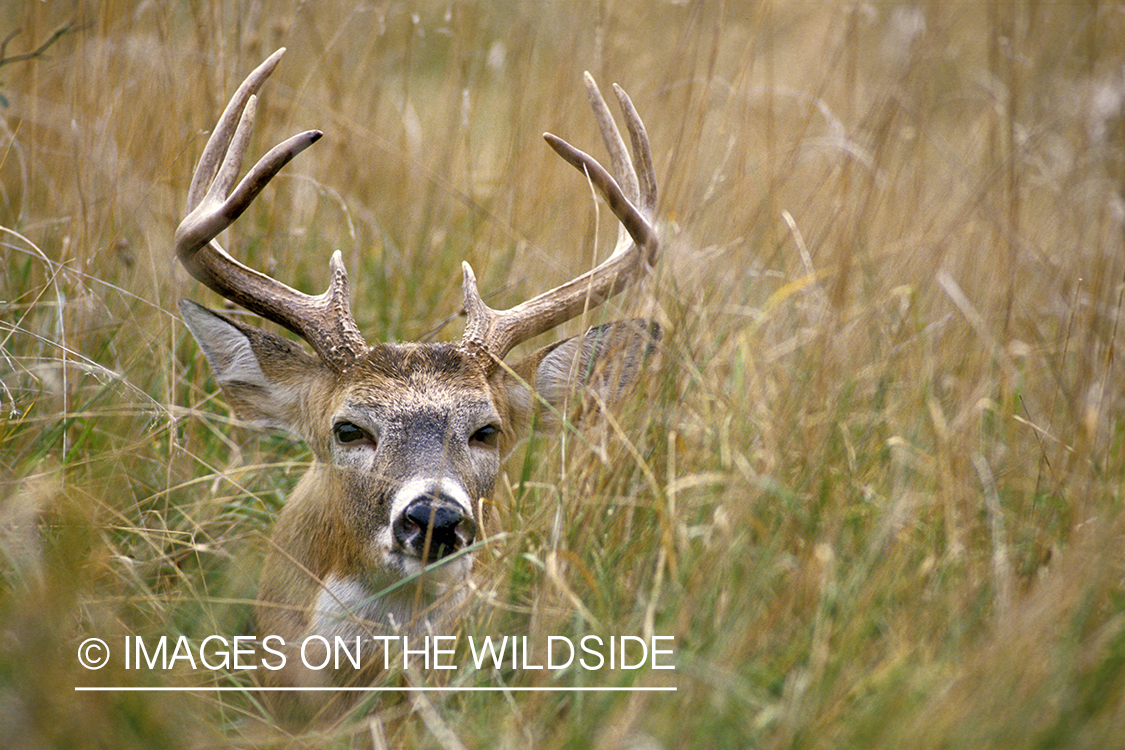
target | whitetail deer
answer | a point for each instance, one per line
(407, 438)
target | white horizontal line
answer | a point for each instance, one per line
(484, 689)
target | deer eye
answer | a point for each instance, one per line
(487, 435)
(347, 433)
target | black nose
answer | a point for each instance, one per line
(433, 528)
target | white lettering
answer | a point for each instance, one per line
(323, 643)
(551, 641)
(497, 658)
(588, 650)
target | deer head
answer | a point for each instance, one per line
(407, 438)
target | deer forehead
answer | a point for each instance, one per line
(400, 383)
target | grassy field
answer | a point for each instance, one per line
(874, 485)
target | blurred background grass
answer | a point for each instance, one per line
(873, 486)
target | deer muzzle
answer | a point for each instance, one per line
(431, 528)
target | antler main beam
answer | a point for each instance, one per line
(215, 201)
(631, 197)
(324, 320)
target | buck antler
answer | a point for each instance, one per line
(632, 198)
(325, 320)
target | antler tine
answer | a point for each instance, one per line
(611, 137)
(497, 332)
(635, 223)
(220, 140)
(325, 320)
(641, 152)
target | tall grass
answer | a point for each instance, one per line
(873, 485)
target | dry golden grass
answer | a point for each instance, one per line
(873, 485)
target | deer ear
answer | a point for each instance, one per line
(262, 375)
(606, 361)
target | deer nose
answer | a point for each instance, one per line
(432, 528)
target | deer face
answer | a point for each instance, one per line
(408, 440)
(415, 440)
